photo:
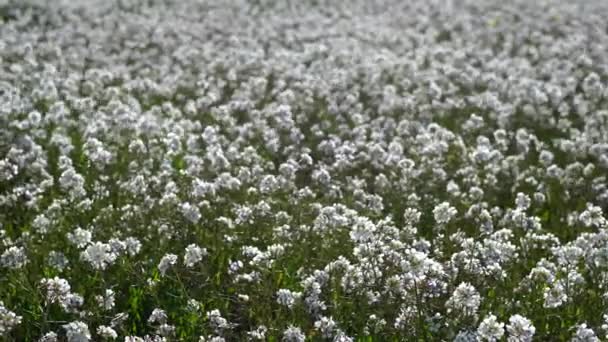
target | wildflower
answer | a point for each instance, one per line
(167, 261)
(77, 332)
(258, 334)
(80, 237)
(107, 332)
(193, 305)
(593, 216)
(490, 329)
(216, 321)
(99, 255)
(13, 258)
(342, 337)
(8, 320)
(191, 212)
(193, 255)
(326, 326)
(293, 334)
(49, 337)
(465, 300)
(133, 246)
(72, 302)
(287, 298)
(554, 296)
(584, 334)
(107, 301)
(466, 336)
(158, 316)
(58, 260)
(165, 330)
(56, 289)
(134, 339)
(443, 213)
(520, 329)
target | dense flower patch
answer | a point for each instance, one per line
(303, 170)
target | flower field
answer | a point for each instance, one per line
(312, 170)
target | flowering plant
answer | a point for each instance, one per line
(312, 170)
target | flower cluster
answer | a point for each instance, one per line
(231, 170)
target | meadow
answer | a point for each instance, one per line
(312, 170)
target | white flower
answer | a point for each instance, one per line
(258, 334)
(58, 260)
(465, 300)
(134, 339)
(158, 316)
(77, 332)
(106, 302)
(287, 297)
(80, 237)
(167, 261)
(522, 201)
(133, 246)
(118, 246)
(466, 336)
(49, 337)
(72, 302)
(56, 289)
(293, 334)
(326, 326)
(216, 321)
(342, 337)
(554, 296)
(193, 305)
(165, 330)
(107, 332)
(193, 255)
(99, 255)
(13, 258)
(584, 334)
(444, 213)
(593, 216)
(190, 212)
(520, 329)
(490, 329)
(363, 230)
(8, 320)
